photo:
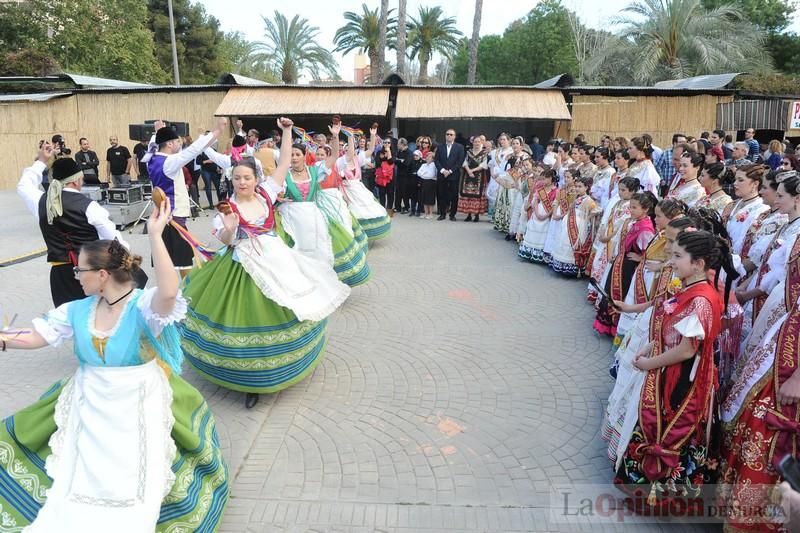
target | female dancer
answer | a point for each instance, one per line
(508, 188)
(371, 215)
(497, 164)
(655, 255)
(637, 234)
(690, 191)
(669, 452)
(256, 321)
(714, 178)
(757, 247)
(471, 194)
(571, 251)
(760, 411)
(542, 203)
(622, 411)
(314, 223)
(516, 196)
(606, 245)
(641, 152)
(740, 215)
(126, 444)
(564, 199)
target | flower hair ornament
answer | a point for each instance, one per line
(780, 177)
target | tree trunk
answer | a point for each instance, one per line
(401, 39)
(379, 74)
(423, 69)
(473, 43)
(374, 69)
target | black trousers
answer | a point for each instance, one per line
(447, 196)
(63, 285)
(386, 195)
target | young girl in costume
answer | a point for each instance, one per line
(564, 199)
(125, 444)
(573, 245)
(639, 230)
(542, 203)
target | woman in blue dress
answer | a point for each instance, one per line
(125, 444)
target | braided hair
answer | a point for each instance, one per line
(648, 201)
(632, 184)
(714, 250)
(112, 257)
(720, 173)
(790, 181)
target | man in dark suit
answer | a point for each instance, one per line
(449, 158)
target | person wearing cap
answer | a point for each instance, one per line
(165, 168)
(67, 219)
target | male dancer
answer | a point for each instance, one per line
(67, 219)
(166, 171)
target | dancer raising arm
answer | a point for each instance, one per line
(130, 433)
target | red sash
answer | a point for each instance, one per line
(785, 419)
(751, 234)
(581, 250)
(665, 432)
(727, 210)
(546, 199)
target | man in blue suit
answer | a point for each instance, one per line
(449, 158)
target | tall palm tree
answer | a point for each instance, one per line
(473, 43)
(670, 39)
(401, 38)
(379, 75)
(431, 32)
(291, 49)
(362, 32)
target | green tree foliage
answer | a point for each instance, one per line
(431, 32)
(241, 57)
(679, 38)
(769, 15)
(532, 49)
(291, 49)
(107, 38)
(198, 40)
(785, 51)
(362, 32)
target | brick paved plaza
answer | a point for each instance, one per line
(457, 388)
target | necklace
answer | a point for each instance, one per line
(118, 300)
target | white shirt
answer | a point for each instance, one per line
(224, 162)
(427, 171)
(96, 215)
(549, 158)
(173, 169)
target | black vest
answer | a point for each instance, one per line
(69, 231)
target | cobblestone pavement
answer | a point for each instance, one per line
(458, 387)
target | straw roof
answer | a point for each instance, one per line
(452, 102)
(311, 100)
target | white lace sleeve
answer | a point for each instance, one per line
(157, 322)
(690, 327)
(54, 326)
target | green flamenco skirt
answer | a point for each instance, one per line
(349, 253)
(376, 228)
(239, 339)
(195, 502)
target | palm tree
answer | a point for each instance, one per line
(401, 38)
(379, 75)
(431, 32)
(291, 49)
(473, 43)
(362, 32)
(670, 39)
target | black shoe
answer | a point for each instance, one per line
(468, 219)
(476, 219)
(453, 218)
(440, 217)
(508, 237)
(613, 370)
(250, 400)
(418, 215)
(411, 213)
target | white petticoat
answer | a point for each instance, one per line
(361, 202)
(112, 452)
(332, 202)
(307, 286)
(306, 225)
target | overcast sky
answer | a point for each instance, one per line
(245, 16)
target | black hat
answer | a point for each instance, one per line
(238, 141)
(63, 168)
(165, 134)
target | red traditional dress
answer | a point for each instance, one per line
(668, 454)
(759, 431)
(471, 192)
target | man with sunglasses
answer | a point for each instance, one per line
(449, 157)
(67, 219)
